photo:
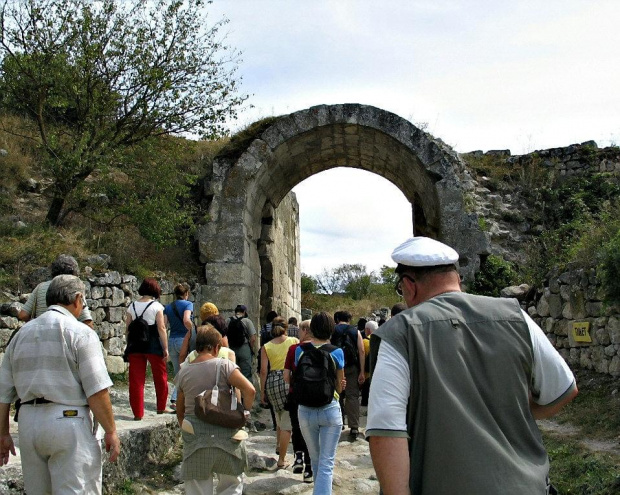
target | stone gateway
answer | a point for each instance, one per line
(250, 244)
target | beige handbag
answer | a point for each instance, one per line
(219, 407)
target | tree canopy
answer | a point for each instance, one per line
(98, 78)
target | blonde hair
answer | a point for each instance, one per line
(208, 309)
(305, 325)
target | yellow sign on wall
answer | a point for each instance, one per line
(581, 331)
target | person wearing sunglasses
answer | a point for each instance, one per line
(458, 383)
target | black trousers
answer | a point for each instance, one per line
(299, 443)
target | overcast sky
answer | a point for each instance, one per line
(495, 74)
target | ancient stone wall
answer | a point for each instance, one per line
(507, 209)
(279, 252)
(576, 297)
(108, 295)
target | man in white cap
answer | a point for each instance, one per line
(458, 383)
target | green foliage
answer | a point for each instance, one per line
(100, 77)
(308, 284)
(240, 141)
(609, 268)
(579, 216)
(24, 249)
(482, 223)
(494, 275)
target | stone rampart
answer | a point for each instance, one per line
(571, 311)
(108, 295)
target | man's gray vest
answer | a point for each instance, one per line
(470, 426)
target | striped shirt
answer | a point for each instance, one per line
(54, 357)
(35, 305)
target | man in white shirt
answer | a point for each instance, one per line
(458, 383)
(55, 366)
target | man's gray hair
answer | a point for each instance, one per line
(65, 265)
(63, 289)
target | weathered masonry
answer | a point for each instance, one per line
(250, 245)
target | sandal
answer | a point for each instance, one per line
(283, 466)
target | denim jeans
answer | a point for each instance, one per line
(321, 428)
(174, 348)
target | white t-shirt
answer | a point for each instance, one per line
(387, 405)
(149, 315)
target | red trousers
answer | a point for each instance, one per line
(137, 378)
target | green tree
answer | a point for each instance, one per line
(308, 284)
(99, 77)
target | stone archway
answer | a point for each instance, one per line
(250, 246)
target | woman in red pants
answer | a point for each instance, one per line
(152, 349)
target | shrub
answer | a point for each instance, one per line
(609, 268)
(495, 274)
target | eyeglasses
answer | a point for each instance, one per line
(83, 299)
(398, 287)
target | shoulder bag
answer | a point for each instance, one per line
(219, 407)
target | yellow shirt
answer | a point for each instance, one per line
(276, 353)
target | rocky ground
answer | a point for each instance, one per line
(353, 473)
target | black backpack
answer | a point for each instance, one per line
(314, 378)
(138, 331)
(236, 332)
(344, 340)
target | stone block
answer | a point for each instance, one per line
(555, 305)
(98, 315)
(105, 330)
(601, 336)
(105, 303)
(115, 314)
(594, 308)
(5, 335)
(560, 327)
(115, 365)
(107, 292)
(602, 366)
(96, 292)
(554, 285)
(548, 325)
(11, 309)
(609, 351)
(9, 322)
(614, 366)
(578, 304)
(613, 327)
(114, 346)
(118, 296)
(542, 308)
(567, 311)
(109, 278)
(565, 292)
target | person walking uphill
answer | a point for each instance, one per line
(273, 386)
(458, 384)
(152, 347)
(349, 339)
(317, 381)
(242, 339)
(35, 305)
(180, 315)
(56, 367)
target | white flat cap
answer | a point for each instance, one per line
(424, 251)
